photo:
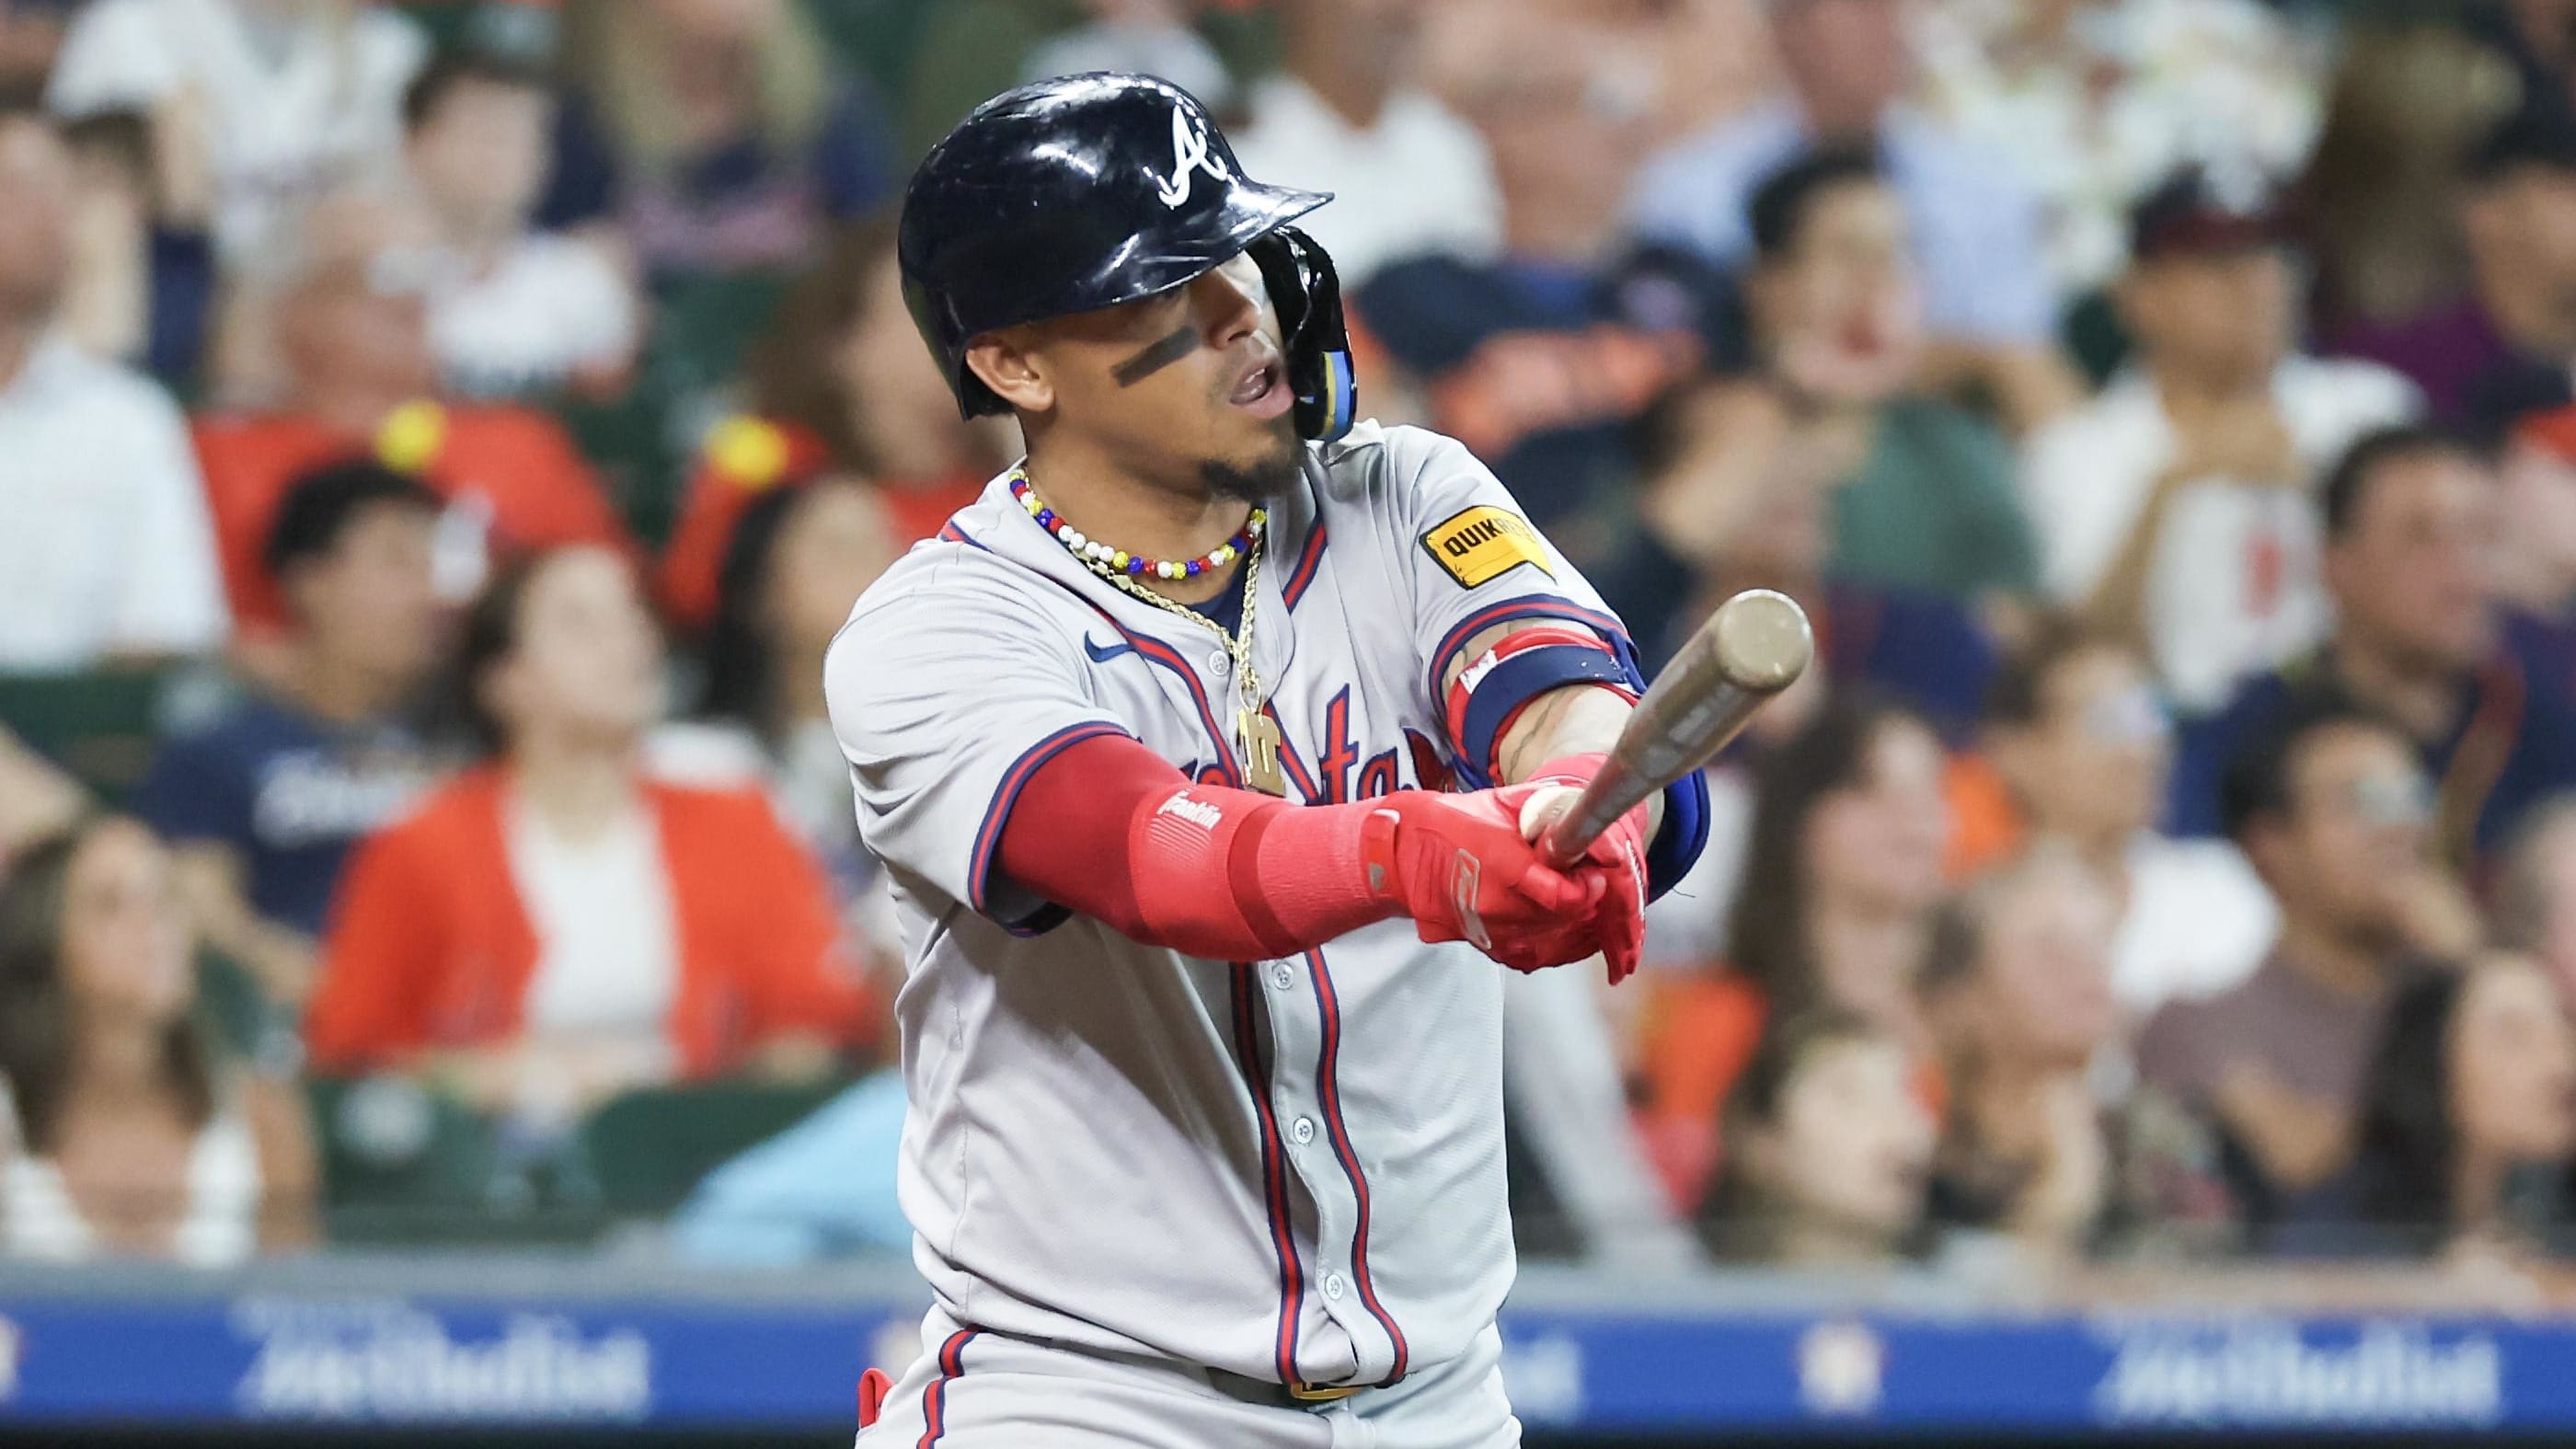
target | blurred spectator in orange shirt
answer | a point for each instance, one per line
(555, 927)
(350, 337)
(1843, 871)
(842, 384)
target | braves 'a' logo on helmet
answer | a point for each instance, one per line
(1189, 153)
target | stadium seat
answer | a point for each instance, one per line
(650, 1148)
(99, 725)
(402, 1164)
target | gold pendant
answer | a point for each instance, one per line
(1260, 734)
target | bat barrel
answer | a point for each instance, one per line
(1754, 646)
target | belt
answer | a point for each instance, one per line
(1286, 1396)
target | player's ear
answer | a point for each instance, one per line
(1003, 362)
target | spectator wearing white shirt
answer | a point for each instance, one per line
(2175, 511)
(1977, 227)
(2083, 748)
(521, 311)
(257, 105)
(108, 551)
(1347, 116)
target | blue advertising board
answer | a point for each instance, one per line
(521, 1360)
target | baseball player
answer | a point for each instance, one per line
(1206, 752)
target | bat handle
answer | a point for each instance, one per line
(1612, 793)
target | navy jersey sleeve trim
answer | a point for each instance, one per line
(988, 839)
(1524, 677)
(1677, 846)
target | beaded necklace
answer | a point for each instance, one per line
(1256, 734)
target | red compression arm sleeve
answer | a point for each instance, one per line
(1110, 829)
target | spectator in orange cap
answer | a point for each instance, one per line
(842, 384)
(343, 320)
(555, 926)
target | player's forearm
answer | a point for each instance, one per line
(1574, 720)
(1110, 830)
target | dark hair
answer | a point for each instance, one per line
(2348, 483)
(2017, 697)
(450, 69)
(35, 1009)
(1778, 210)
(2255, 784)
(27, 103)
(1788, 1043)
(2538, 134)
(2406, 1152)
(789, 367)
(1767, 939)
(123, 136)
(2523, 890)
(322, 503)
(741, 661)
(1956, 945)
(490, 634)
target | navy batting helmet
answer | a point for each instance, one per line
(1086, 191)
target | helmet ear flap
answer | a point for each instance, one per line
(1308, 297)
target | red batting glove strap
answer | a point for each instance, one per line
(1463, 873)
(1620, 852)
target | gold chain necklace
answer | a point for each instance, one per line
(1256, 734)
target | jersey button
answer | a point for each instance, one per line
(1282, 977)
(1219, 662)
(1303, 1129)
(1333, 1286)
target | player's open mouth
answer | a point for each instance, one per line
(1263, 392)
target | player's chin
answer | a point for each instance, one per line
(1264, 469)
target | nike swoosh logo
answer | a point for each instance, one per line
(1102, 654)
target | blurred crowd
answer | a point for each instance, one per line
(438, 441)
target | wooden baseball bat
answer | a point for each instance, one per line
(1753, 647)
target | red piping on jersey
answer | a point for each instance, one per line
(1006, 794)
(1246, 988)
(1274, 1180)
(954, 534)
(1328, 1091)
(934, 1399)
(1328, 1095)
(1274, 1174)
(1307, 557)
(1551, 606)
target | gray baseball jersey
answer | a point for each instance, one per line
(1291, 1169)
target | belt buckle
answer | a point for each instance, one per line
(1306, 1393)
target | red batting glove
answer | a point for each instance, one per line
(1619, 853)
(1460, 867)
